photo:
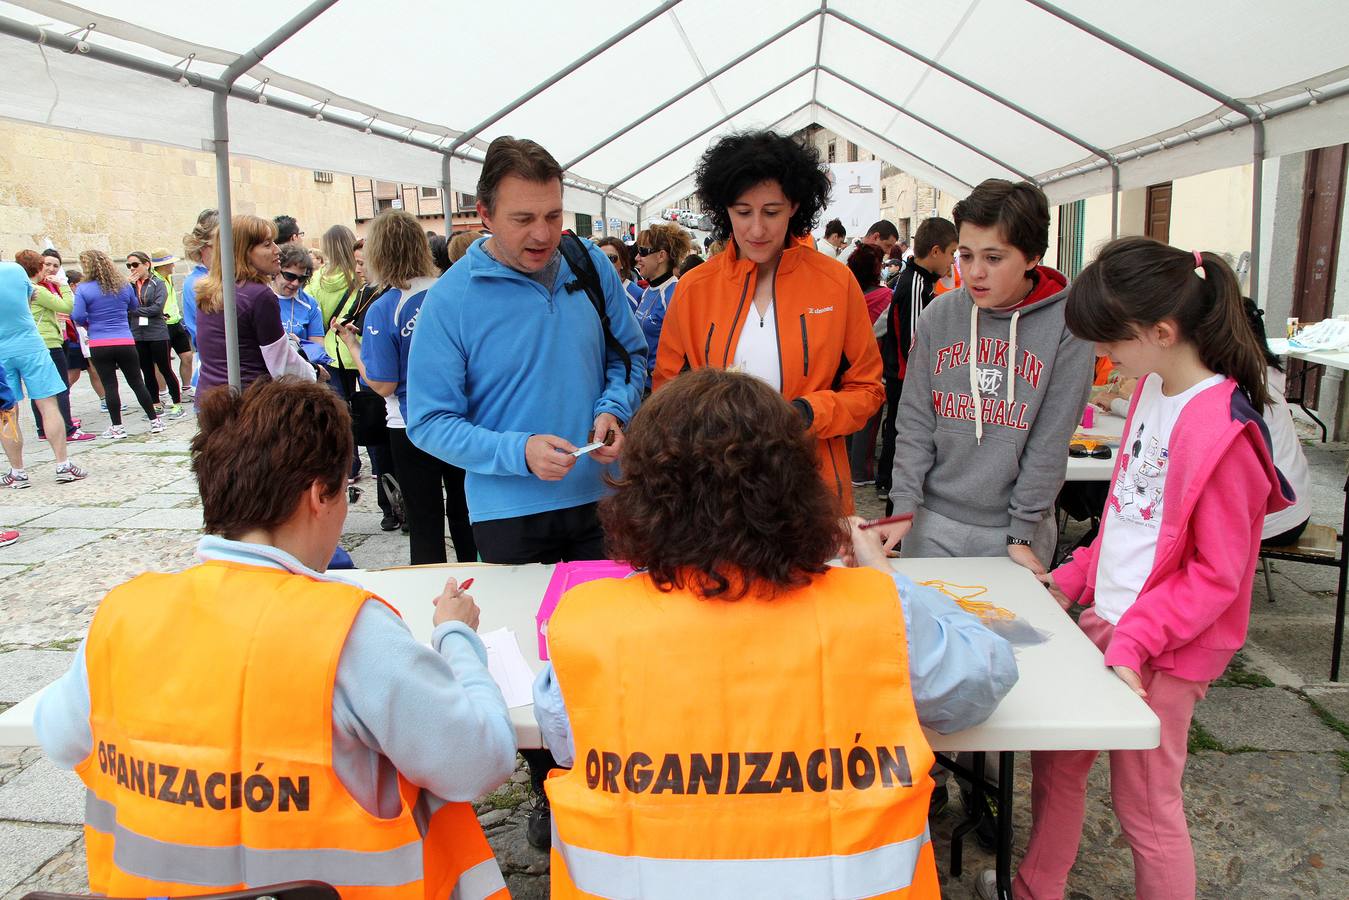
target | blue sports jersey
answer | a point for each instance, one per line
(387, 339)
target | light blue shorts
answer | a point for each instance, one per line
(37, 372)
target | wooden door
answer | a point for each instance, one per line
(1318, 248)
(1157, 224)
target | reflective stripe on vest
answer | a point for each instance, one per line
(221, 776)
(868, 874)
(148, 857)
(762, 747)
(479, 882)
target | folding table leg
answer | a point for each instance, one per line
(1338, 643)
(973, 815)
(1006, 773)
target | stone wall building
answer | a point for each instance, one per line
(80, 191)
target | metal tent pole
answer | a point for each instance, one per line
(447, 201)
(658, 193)
(881, 98)
(544, 85)
(854, 123)
(703, 82)
(1254, 116)
(604, 214)
(717, 124)
(224, 250)
(974, 86)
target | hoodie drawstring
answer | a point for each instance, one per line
(974, 375)
(974, 370)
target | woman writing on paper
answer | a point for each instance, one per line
(269, 703)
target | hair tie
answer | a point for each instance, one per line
(1199, 264)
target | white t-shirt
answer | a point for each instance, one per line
(757, 352)
(1288, 457)
(1134, 507)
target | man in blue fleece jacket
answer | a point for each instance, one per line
(509, 373)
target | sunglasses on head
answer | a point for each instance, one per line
(291, 276)
(133, 265)
(1094, 449)
(645, 251)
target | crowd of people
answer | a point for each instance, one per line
(554, 400)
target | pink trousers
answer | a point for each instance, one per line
(1144, 787)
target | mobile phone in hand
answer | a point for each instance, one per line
(588, 448)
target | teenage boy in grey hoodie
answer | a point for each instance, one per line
(980, 475)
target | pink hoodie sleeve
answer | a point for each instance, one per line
(1071, 577)
(1182, 605)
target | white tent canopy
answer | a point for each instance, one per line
(1082, 96)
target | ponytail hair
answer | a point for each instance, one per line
(1136, 282)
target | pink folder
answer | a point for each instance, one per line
(566, 576)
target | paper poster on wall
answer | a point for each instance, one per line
(855, 199)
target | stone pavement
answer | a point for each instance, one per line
(1265, 786)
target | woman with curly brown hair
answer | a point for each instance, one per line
(739, 636)
(772, 306)
(104, 303)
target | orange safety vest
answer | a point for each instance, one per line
(211, 695)
(766, 746)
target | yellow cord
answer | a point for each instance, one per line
(981, 608)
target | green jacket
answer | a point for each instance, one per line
(173, 313)
(45, 305)
(328, 290)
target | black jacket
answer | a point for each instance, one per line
(913, 292)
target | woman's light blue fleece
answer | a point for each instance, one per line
(958, 670)
(432, 713)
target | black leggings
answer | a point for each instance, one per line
(62, 399)
(421, 477)
(107, 361)
(155, 355)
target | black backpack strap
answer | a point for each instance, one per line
(588, 279)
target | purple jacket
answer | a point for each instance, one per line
(1191, 615)
(104, 315)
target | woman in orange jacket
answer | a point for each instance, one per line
(772, 305)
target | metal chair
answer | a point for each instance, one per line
(1319, 545)
(291, 890)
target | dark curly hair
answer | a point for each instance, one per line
(740, 161)
(719, 491)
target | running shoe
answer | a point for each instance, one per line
(103, 405)
(157, 425)
(188, 393)
(68, 472)
(8, 537)
(115, 433)
(159, 410)
(15, 480)
(175, 411)
(76, 436)
(76, 422)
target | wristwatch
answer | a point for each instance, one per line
(1017, 542)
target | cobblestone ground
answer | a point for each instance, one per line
(1265, 786)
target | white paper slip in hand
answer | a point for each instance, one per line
(582, 451)
(507, 666)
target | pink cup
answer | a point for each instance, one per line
(1088, 416)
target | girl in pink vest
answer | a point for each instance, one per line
(1167, 581)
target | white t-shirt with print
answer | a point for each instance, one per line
(757, 352)
(1134, 507)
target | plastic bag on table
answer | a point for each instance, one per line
(1002, 622)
